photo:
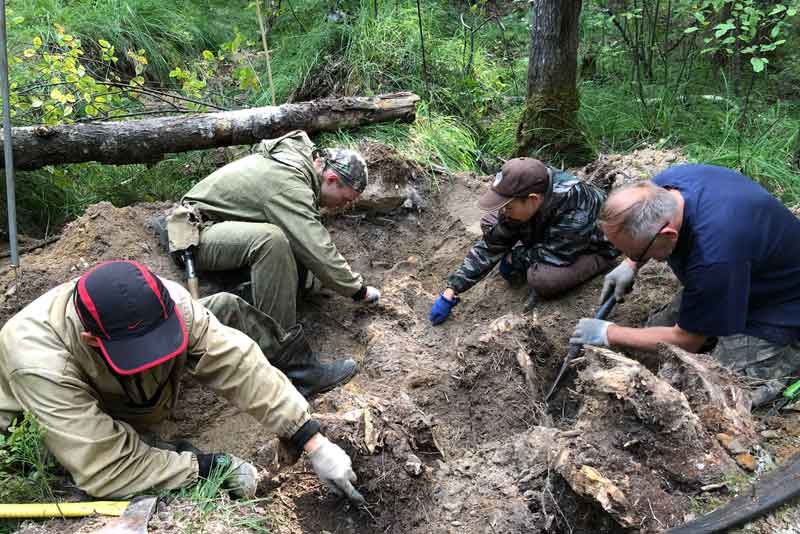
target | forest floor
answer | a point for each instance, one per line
(446, 425)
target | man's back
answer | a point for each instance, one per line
(736, 234)
(242, 190)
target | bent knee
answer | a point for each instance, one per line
(271, 242)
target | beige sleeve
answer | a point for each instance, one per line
(294, 211)
(232, 364)
(105, 456)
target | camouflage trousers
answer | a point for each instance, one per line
(770, 367)
(265, 250)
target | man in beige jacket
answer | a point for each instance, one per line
(95, 360)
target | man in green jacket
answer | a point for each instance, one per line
(263, 212)
(100, 359)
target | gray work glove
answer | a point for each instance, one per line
(373, 295)
(591, 332)
(241, 478)
(334, 468)
(618, 282)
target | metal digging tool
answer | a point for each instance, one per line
(134, 519)
(574, 350)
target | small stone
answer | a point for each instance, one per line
(413, 465)
(746, 461)
(456, 523)
(164, 516)
(771, 434)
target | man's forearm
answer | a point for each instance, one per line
(648, 338)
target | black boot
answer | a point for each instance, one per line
(302, 366)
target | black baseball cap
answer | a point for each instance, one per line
(518, 178)
(132, 315)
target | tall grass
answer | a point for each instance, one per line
(472, 96)
(169, 32)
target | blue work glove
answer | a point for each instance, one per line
(441, 309)
(506, 269)
(591, 332)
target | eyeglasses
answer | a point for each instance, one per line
(650, 244)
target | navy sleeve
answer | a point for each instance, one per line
(715, 299)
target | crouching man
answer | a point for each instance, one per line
(541, 227)
(735, 249)
(95, 359)
(263, 212)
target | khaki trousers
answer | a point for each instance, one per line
(262, 247)
(235, 312)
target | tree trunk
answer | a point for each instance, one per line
(146, 141)
(549, 123)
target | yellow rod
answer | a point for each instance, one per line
(64, 509)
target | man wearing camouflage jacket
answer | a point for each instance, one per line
(540, 226)
(263, 212)
(99, 359)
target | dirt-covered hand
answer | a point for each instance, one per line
(441, 309)
(335, 469)
(591, 332)
(241, 478)
(618, 282)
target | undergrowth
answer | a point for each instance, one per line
(207, 501)
(472, 85)
(25, 464)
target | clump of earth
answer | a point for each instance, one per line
(446, 425)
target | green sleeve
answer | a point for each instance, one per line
(295, 212)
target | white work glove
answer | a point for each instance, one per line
(618, 282)
(243, 481)
(591, 332)
(334, 468)
(373, 295)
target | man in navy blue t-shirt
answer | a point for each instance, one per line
(736, 250)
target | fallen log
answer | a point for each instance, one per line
(148, 140)
(772, 491)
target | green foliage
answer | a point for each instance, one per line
(25, 464)
(646, 71)
(751, 28)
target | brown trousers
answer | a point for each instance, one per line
(550, 280)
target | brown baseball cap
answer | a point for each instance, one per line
(518, 178)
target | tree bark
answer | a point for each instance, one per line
(549, 123)
(147, 141)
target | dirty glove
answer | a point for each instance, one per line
(591, 332)
(241, 478)
(367, 295)
(373, 295)
(618, 282)
(334, 468)
(441, 309)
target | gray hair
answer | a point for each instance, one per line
(644, 217)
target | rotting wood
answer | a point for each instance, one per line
(148, 140)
